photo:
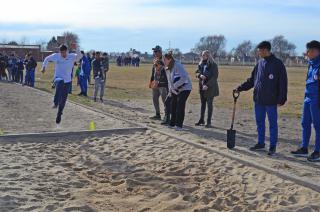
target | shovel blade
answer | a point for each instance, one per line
(231, 139)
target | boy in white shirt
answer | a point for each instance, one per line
(64, 62)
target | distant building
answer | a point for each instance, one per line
(22, 50)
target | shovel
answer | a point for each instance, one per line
(231, 134)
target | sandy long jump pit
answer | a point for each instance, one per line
(25, 110)
(137, 171)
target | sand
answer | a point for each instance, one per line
(289, 134)
(141, 171)
(25, 110)
(138, 172)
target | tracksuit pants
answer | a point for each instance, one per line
(30, 77)
(310, 115)
(178, 106)
(156, 93)
(61, 95)
(272, 112)
(83, 83)
(99, 86)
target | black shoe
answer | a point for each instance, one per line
(156, 117)
(101, 100)
(272, 151)
(257, 147)
(315, 156)
(84, 94)
(58, 119)
(80, 94)
(208, 126)
(301, 152)
(200, 123)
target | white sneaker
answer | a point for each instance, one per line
(179, 129)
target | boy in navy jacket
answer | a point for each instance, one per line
(270, 83)
(311, 104)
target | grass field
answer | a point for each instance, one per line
(131, 83)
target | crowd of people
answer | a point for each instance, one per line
(128, 61)
(16, 69)
(65, 63)
(170, 81)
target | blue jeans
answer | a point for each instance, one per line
(61, 95)
(311, 115)
(260, 112)
(83, 83)
(30, 77)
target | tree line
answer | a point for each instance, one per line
(216, 44)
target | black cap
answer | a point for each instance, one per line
(264, 45)
(157, 49)
(313, 45)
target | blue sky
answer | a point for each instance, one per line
(118, 25)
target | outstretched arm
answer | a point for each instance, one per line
(50, 58)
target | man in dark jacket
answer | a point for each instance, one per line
(159, 85)
(270, 83)
(31, 65)
(3, 65)
(311, 104)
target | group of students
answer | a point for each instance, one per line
(15, 69)
(99, 65)
(128, 61)
(64, 62)
(269, 80)
(171, 81)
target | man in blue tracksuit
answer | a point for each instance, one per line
(311, 105)
(270, 83)
(84, 74)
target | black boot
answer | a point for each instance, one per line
(200, 123)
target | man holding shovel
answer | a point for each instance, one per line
(270, 83)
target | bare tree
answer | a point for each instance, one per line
(52, 45)
(13, 43)
(175, 52)
(244, 50)
(71, 38)
(215, 44)
(282, 48)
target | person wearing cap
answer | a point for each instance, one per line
(159, 85)
(270, 83)
(311, 104)
(64, 62)
(84, 74)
